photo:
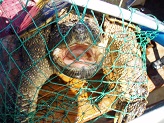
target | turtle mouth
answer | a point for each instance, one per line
(77, 61)
(79, 56)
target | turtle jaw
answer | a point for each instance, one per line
(80, 61)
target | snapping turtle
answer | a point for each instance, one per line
(79, 46)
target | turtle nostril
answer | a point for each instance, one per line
(80, 33)
(80, 28)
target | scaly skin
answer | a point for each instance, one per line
(36, 70)
(126, 70)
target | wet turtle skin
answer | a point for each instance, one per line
(41, 50)
(127, 68)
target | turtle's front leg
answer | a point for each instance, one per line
(30, 83)
(129, 111)
(36, 70)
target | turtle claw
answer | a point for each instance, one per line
(118, 118)
(132, 110)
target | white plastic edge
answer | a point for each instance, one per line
(155, 116)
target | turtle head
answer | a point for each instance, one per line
(79, 55)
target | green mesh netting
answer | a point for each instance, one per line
(76, 66)
(1, 1)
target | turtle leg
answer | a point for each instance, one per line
(31, 82)
(37, 68)
(129, 111)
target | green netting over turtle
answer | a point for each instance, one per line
(76, 66)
